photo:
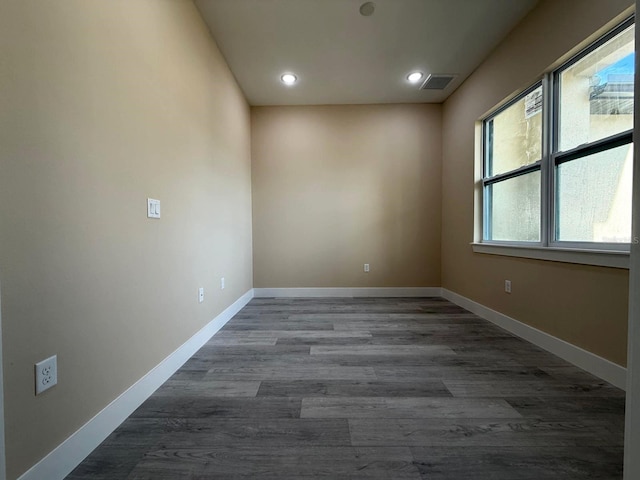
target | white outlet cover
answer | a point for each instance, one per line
(46, 374)
(222, 283)
(201, 295)
(366, 267)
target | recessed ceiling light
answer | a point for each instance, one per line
(367, 9)
(415, 77)
(289, 79)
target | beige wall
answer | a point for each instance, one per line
(586, 306)
(335, 187)
(106, 103)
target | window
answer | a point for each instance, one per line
(557, 159)
(513, 160)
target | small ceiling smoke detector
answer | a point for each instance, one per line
(415, 77)
(289, 78)
(367, 9)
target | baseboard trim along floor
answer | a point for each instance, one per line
(592, 363)
(70, 453)
(359, 387)
(348, 292)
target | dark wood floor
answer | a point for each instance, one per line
(368, 388)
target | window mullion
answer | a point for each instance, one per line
(512, 174)
(554, 134)
(602, 145)
(546, 169)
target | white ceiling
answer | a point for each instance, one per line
(342, 57)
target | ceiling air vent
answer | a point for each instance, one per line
(437, 82)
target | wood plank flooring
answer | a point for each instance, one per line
(368, 388)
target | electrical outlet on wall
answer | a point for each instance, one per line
(200, 295)
(507, 286)
(46, 374)
(221, 283)
(366, 268)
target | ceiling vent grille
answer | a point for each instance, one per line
(437, 82)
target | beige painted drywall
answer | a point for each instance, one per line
(584, 305)
(335, 187)
(106, 103)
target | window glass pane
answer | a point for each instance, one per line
(515, 135)
(596, 93)
(594, 197)
(515, 208)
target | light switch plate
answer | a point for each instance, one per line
(153, 208)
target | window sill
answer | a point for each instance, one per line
(600, 258)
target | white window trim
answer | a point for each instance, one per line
(600, 258)
(593, 253)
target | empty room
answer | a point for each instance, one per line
(342, 239)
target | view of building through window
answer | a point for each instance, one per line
(596, 101)
(594, 197)
(515, 208)
(516, 141)
(590, 158)
(516, 135)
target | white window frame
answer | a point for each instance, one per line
(488, 181)
(548, 248)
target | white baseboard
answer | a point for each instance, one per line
(70, 453)
(592, 363)
(348, 292)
